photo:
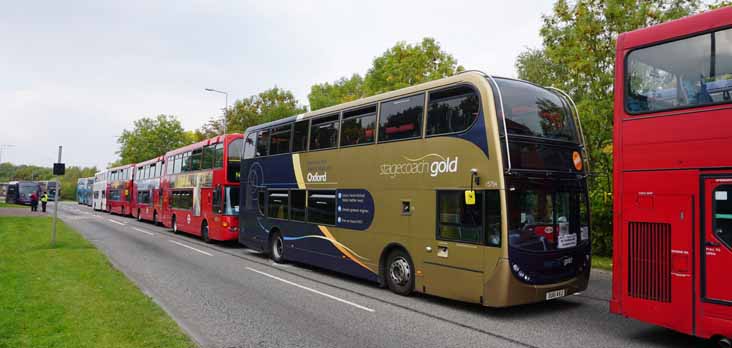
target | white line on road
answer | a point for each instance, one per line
(190, 247)
(313, 290)
(143, 231)
(116, 222)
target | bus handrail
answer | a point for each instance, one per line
(503, 115)
(585, 148)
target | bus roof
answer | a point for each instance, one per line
(121, 167)
(214, 140)
(687, 26)
(462, 77)
(150, 161)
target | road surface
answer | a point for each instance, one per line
(225, 295)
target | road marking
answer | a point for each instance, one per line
(116, 222)
(190, 247)
(143, 231)
(312, 290)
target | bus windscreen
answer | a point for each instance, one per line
(536, 112)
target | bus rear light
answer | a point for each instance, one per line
(225, 224)
(577, 160)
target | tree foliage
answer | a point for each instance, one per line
(151, 137)
(10, 172)
(70, 178)
(341, 91)
(272, 104)
(578, 56)
(401, 66)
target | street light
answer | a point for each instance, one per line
(226, 107)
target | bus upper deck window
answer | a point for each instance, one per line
(401, 118)
(262, 143)
(279, 141)
(690, 72)
(452, 110)
(324, 133)
(300, 136)
(358, 126)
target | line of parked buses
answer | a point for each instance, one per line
(473, 187)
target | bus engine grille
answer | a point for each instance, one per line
(649, 272)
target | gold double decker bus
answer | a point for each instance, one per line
(471, 188)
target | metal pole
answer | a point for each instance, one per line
(226, 110)
(55, 204)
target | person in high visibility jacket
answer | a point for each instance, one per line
(44, 201)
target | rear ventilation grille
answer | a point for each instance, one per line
(649, 249)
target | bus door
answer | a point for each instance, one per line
(454, 258)
(658, 273)
(716, 259)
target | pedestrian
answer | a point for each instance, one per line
(34, 201)
(44, 201)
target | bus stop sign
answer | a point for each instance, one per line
(59, 169)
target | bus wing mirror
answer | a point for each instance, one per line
(469, 197)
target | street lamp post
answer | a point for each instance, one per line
(226, 107)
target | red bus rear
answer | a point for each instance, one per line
(119, 190)
(146, 192)
(673, 175)
(201, 188)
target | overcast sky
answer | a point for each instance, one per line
(75, 73)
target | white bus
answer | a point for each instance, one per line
(99, 196)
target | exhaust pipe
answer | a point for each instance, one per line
(724, 343)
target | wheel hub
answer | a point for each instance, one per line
(400, 272)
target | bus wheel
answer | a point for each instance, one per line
(204, 232)
(400, 273)
(175, 225)
(723, 342)
(139, 217)
(155, 218)
(277, 248)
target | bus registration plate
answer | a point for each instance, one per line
(556, 294)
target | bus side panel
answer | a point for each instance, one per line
(658, 232)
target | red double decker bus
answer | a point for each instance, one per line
(673, 175)
(146, 192)
(119, 190)
(201, 188)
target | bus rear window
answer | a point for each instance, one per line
(685, 73)
(534, 111)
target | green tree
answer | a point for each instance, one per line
(406, 65)
(578, 56)
(341, 91)
(70, 178)
(10, 172)
(272, 104)
(401, 66)
(719, 4)
(151, 137)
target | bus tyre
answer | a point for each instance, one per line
(277, 248)
(174, 224)
(400, 273)
(204, 232)
(155, 218)
(139, 217)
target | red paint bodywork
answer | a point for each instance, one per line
(125, 205)
(148, 211)
(221, 227)
(665, 164)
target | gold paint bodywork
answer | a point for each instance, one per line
(469, 272)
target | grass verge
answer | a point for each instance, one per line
(602, 262)
(70, 296)
(9, 205)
